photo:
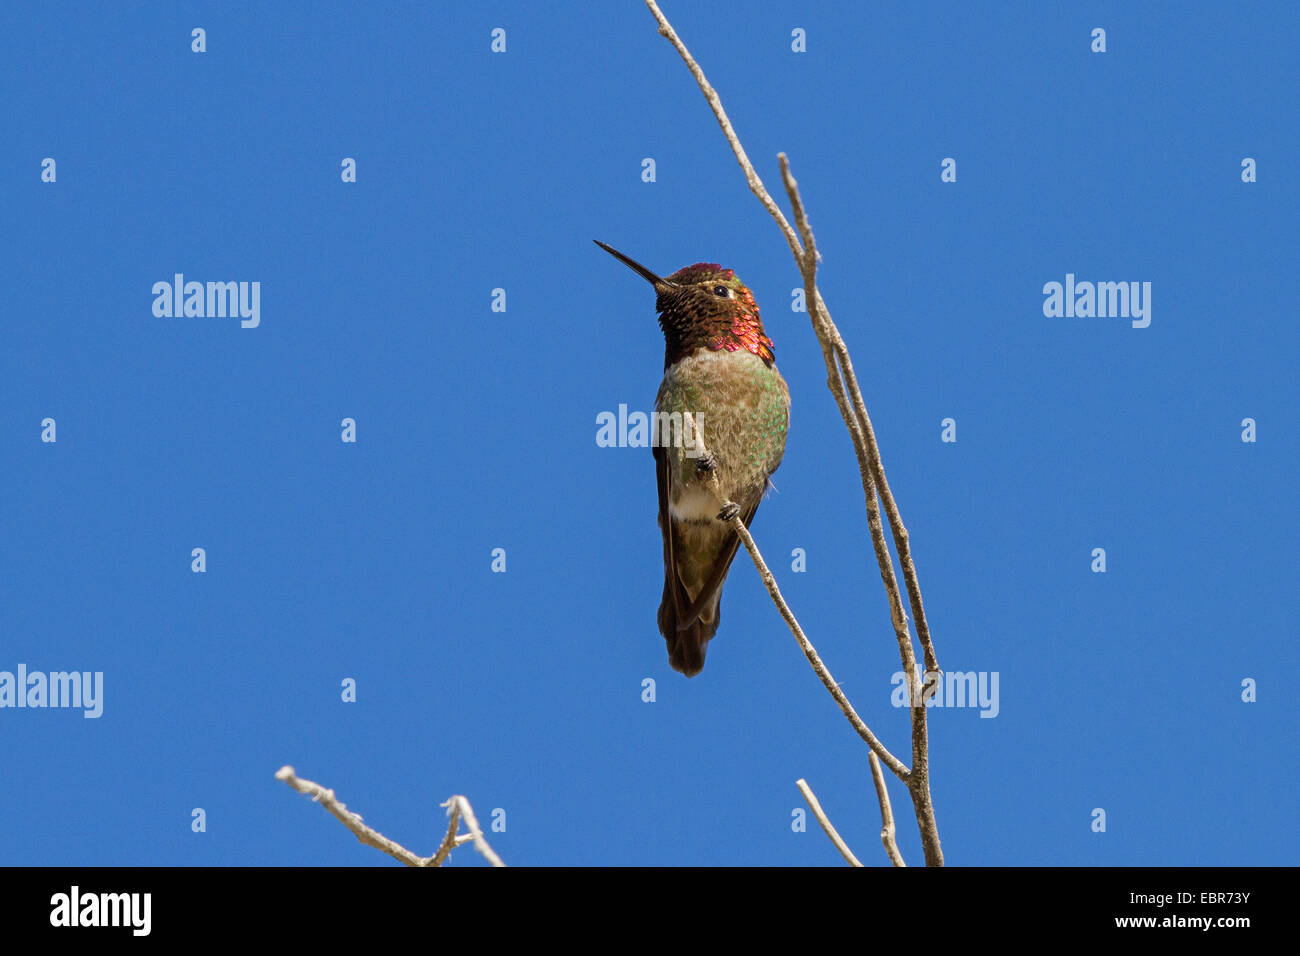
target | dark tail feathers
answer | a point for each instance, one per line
(686, 648)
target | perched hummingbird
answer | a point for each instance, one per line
(719, 366)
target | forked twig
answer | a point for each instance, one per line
(457, 808)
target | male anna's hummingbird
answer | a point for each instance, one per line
(719, 366)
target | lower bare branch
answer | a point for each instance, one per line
(458, 807)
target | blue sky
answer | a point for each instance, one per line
(476, 429)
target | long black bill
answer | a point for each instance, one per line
(659, 282)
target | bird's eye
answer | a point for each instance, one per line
(722, 290)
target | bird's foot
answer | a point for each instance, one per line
(705, 465)
(729, 511)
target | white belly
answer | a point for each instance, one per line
(695, 503)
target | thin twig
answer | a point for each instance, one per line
(820, 814)
(751, 175)
(808, 269)
(848, 397)
(459, 807)
(887, 834)
(769, 581)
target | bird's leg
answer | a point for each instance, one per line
(706, 469)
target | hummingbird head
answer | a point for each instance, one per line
(703, 306)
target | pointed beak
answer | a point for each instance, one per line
(659, 282)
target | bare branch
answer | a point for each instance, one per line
(873, 481)
(827, 336)
(886, 812)
(459, 807)
(826, 823)
(844, 387)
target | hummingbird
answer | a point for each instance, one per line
(720, 366)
